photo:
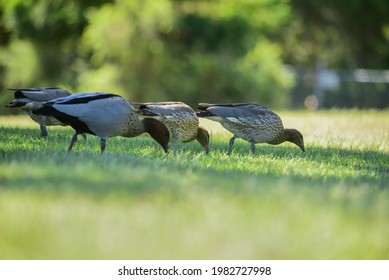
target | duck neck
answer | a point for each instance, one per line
(280, 138)
(157, 130)
(288, 135)
(203, 138)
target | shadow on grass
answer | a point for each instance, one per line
(138, 166)
(359, 160)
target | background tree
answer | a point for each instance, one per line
(187, 50)
(216, 51)
(347, 34)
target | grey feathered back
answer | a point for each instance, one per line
(238, 110)
(40, 94)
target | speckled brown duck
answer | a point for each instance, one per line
(251, 122)
(181, 120)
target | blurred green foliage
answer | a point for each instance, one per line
(346, 33)
(135, 202)
(193, 51)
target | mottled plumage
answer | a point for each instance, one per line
(104, 115)
(251, 122)
(36, 96)
(180, 119)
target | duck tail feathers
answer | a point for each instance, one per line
(146, 112)
(204, 114)
(204, 106)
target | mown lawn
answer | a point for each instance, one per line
(135, 202)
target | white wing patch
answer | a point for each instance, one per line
(233, 119)
(76, 110)
(93, 107)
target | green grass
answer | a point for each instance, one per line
(135, 202)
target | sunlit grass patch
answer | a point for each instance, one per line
(135, 201)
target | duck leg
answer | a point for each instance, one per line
(206, 149)
(175, 145)
(72, 141)
(42, 124)
(83, 135)
(253, 147)
(102, 144)
(232, 140)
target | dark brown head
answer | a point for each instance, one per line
(158, 131)
(295, 136)
(203, 138)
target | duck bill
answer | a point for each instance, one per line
(302, 148)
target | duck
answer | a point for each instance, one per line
(101, 114)
(180, 119)
(37, 96)
(251, 122)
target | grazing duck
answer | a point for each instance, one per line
(102, 114)
(37, 96)
(251, 122)
(180, 119)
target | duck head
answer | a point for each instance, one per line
(158, 131)
(203, 138)
(295, 136)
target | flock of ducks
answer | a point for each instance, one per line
(107, 115)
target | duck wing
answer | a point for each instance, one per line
(40, 94)
(246, 114)
(163, 108)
